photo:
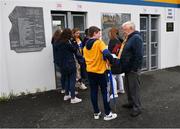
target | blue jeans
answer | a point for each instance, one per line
(62, 76)
(96, 80)
(70, 81)
(63, 81)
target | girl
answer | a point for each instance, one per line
(65, 52)
(114, 47)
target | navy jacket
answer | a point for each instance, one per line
(64, 56)
(132, 55)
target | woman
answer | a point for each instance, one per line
(55, 38)
(65, 52)
(81, 69)
(114, 47)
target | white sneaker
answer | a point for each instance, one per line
(121, 91)
(82, 86)
(115, 96)
(67, 97)
(77, 84)
(97, 115)
(62, 91)
(76, 100)
(110, 116)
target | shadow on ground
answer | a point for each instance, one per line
(160, 94)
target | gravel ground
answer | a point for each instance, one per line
(160, 95)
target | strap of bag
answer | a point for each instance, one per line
(122, 47)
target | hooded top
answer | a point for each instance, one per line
(93, 54)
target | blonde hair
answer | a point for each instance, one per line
(75, 30)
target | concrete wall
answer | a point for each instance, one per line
(4, 87)
(179, 38)
(169, 42)
(27, 72)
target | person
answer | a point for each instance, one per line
(131, 62)
(54, 39)
(86, 38)
(114, 46)
(96, 54)
(65, 59)
(81, 73)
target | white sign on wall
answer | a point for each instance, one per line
(170, 14)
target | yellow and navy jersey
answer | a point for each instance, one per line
(93, 54)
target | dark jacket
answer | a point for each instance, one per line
(132, 55)
(53, 46)
(113, 42)
(115, 68)
(79, 55)
(75, 44)
(84, 41)
(64, 56)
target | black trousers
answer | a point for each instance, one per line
(132, 87)
(96, 81)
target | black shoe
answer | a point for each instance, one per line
(135, 113)
(129, 106)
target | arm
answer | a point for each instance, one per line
(77, 53)
(71, 47)
(107, 56)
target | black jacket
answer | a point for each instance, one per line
(64, 56)
(115, 68)
(132, 55)
(78, 54)
(113, 42)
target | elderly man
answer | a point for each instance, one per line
(131, 61)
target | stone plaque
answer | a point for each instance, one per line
(27, 32)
